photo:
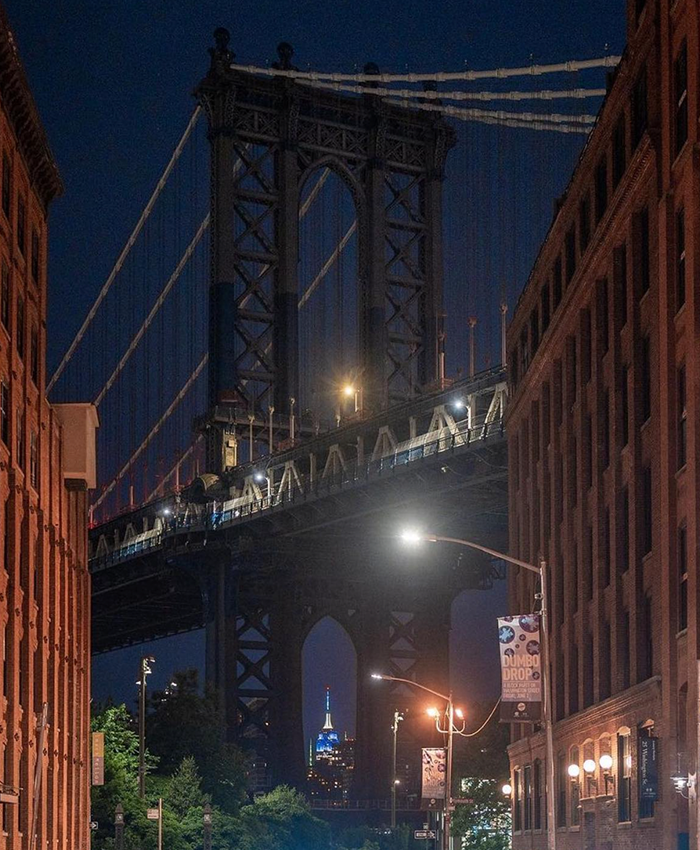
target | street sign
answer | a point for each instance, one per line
(424, 834)
(152, 814)
(463, 801)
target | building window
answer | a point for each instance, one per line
(643, 260)
(588, 672)
(5, 296)
(620, 282)
(6, 185)
(534, 331)
(570, 250)
(646, 510)
(545, 307)
(5, 413)
(680, 258)
(645, 378)
(619, 151)
(527, 797)
(588, 450)
(682, 418)
(33, 461)
(605, 669)
(606, 549)
(639, 108)
(574, 790)
(563, 778)
(538, 795)
(571, 382)
(19, 330)
(34, 356)
(557, 284)
(624, 405)
(605, 431)
(573, 685)
(21, 224)
(35, 255)
(680, 85)
(682, 577)
(524, 351)
(517, 801)
(584, 222)
(586, 343)
(624, 650)
(603, 316)
(20, 440)
(624, 779)
(601, 188)
(624, 530)
(647, 665)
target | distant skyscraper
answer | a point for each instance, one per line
(327, 738)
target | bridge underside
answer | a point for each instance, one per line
(259, 587)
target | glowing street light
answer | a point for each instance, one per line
(414, 536)
(351, 391)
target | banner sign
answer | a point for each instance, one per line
(433, 773)
(98, 758)
(521, 668)
(648, 767)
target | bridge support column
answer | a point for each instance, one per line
(286, 703)
(373, 707)
(221, 640)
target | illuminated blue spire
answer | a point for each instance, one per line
(327, 738)
(328, 725)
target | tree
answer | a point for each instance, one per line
(184, 722)
(481, 770)
(282, 820)
(185, 788)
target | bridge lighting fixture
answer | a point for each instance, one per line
(259, 477)
(507, 789)
(349, 390)
(459, 404)
(166, 512)
(573, 770)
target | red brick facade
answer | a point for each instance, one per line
(604, 445)
(44, 583)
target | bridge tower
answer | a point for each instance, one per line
(267, 136)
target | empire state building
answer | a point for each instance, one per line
(327, 739)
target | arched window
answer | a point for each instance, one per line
(624, 777)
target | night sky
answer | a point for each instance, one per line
(112, 81)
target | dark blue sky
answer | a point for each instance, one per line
(113, 82)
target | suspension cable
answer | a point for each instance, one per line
(156, 428)
(501, 118)
(127, 248)
(545, 94)
(440, 76)
(172, 280)
(183, 457)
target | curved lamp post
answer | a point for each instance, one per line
(450, 731)
(415, 537)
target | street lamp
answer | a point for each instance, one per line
(144, 672)
(414, 537)
(351, 391)
(450, 713)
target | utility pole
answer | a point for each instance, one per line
(398, 717)
(160, 823)
(144, 671)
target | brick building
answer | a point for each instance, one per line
(45, 469)
(604, 442)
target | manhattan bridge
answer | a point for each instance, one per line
(269, 358)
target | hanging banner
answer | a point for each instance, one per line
(433, 773)
(521, 668)
(648, 764)
(98, 758)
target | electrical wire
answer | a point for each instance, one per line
(483, 725)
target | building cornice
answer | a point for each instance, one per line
(23, 115)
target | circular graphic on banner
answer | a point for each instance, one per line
(521, 706)
(529, 623)
(535, 675)
(506, 634)
(509, 652)
(533, 647)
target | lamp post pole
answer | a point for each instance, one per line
(144, 670)
(540, 570)
(398, 717)
(449, 711)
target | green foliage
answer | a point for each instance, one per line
(485, 822)
(184, 722)
(282, 820)
(185, 788)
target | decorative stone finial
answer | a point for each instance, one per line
(221, 56)
(285, 51)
